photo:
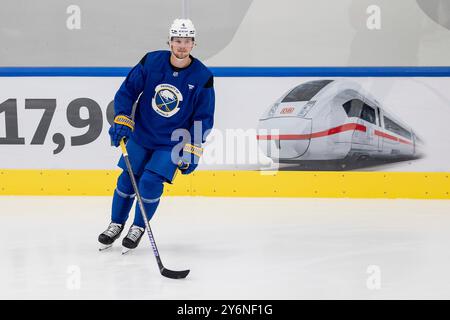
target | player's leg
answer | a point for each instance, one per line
(158, 170)
(151, 188)
(122, 202)
(124, 195)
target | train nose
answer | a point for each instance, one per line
(284, 138)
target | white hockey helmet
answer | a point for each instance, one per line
(183, 28)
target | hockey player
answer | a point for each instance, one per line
(173, 91)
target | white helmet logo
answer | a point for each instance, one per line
(182, 28)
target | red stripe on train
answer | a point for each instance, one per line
(329, 132)
(388, 136)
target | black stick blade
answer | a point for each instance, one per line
(174, 274)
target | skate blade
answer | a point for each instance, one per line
(104, 247)
(125, 250)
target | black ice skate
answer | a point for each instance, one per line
(132, 239)
(107, 237)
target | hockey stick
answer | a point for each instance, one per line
(165, 272)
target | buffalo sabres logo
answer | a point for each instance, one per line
(166, 100)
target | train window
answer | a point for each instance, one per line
(396, 128)
(306, 91)
(368, 114)
(353, 108)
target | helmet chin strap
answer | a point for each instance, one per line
(177, 62)
(179, 59)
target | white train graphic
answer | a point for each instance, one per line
(333, 120)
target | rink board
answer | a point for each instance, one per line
(412, 185)
(67, 152)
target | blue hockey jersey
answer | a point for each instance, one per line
(169, 99)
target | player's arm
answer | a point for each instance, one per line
(204, 114)
(124, 99)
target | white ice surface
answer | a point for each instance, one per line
(236, 248)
